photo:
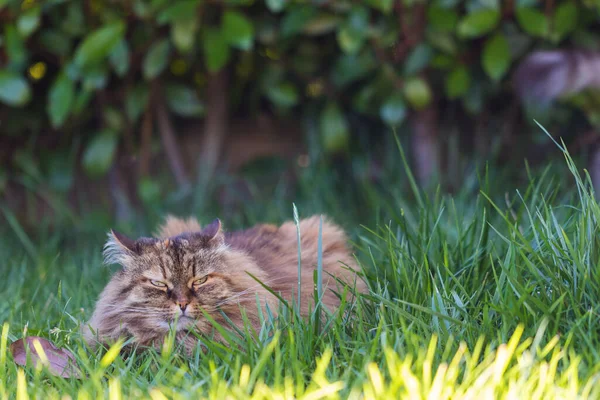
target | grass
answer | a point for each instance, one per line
(487, 293)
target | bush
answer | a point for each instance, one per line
(81, 76)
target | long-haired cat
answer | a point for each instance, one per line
(169, 280)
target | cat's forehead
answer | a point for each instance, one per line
(182, 247)
(177, 256)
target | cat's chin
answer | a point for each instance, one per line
(183, 322)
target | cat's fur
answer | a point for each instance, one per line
(130, 306)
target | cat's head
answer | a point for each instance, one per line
(173, 279)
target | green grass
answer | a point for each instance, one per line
(492, 292)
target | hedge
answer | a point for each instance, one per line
(87, 73)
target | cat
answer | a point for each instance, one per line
(168, 279)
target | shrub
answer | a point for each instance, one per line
(83, 76)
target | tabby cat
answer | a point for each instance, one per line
(167, 281)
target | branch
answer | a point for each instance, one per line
(215, 123)
(169, 141)
(425, 144)
(146, 136)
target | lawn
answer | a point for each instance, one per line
(491, 292)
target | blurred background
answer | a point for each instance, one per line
(116, 111)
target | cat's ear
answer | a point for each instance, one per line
(214, 233)
(123, 241)
(211, 236)
(119, 249)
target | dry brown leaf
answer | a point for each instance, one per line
(61, 362)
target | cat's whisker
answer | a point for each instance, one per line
(246, 291)
(134, 307)
(141, 310)
(258, 285)
(122, 307)
(237, 299)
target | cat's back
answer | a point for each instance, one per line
(275, 250)
(256, 238)
(275, 247)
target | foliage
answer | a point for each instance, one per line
(99, 66)
(493, 295)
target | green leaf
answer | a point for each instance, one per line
(113, 119)
(82, 100)
(442, 61)
(238, 30)
(73, 71)
(284, 94)
(457, 82)
(184, 101)
(275, 6)
(393, 110)
(351, 67)
(136, 101)
(495, 58)
(242, 3)
(267, 33)
(96, 78)
(417, 92)
(149, 190)
(29, 21)
(565, 19)
(14, 89)
(156, 5)
(418, 59)
(60, 100)
(352, 35)
(442, 41)
(119, 58)
(72, 21)
(478, 23)
(100, 153)
(350, 41)
(442, 19)
(15, 47)
(183, 33)
(216, 50)
(156, 59)
(179, 10)
(335, 132)
(474, 5)
(385, 6)
(142, 10)
(365, 98)
(532, 21)
(99, 44)
(55, 42)
(295, 19)
(322, 24)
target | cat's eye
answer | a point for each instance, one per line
(200, 281)
(158, 284)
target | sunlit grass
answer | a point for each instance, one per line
(490, 293)
(520, 368)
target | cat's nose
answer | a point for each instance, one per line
(183, 304)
